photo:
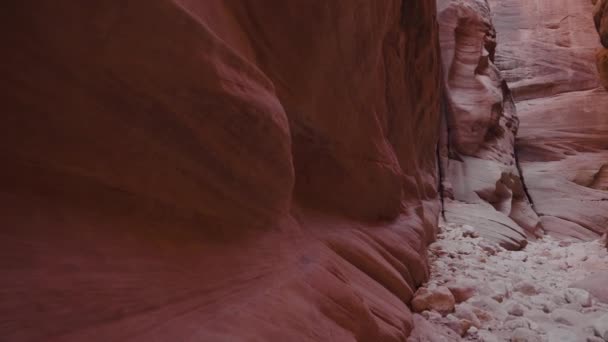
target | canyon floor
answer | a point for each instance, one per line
(552, 290)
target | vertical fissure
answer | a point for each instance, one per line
(522, 178)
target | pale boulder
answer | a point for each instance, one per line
(437, 298)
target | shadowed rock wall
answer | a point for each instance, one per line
(216, 170)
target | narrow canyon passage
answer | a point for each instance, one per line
(319, 170)
(525, 154)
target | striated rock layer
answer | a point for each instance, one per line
(600, 18)
(482, 177)
(216, 171)
(547, 54)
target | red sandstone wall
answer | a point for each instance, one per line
(216, 171)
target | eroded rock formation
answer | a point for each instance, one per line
(186, 170)
(547, 52)
(216, 170)
(600, 18)
(482, 175)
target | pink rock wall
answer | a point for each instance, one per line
(547, 53)
(600, 19)
(482, 176)
(216, 171)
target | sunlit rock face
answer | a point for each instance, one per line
(547, 53)
(481, 170)
(217, 170)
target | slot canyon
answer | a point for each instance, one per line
(304, 170)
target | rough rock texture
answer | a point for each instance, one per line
(438, 299)
(216, 170)
(482, 176)
(532, 294)
(547, 53)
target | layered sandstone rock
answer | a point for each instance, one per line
(602, 66)
(600, 18)
(546, 53)
(212, 170)
(481, 168)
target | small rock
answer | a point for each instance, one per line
(525, 335)
(573, 306)
(462, 290)
(600, 327)
(519, 256)
(526, 288)
(578, 296)
(486, 336)
(545, 303)
(468, 231)
(555, 255)
(564, 243)
(567, 317)
(515, 309)
(563, 335)
(489, 305)
(465, 311)
(518, 322)
(498, 290)
(438, 299)
(459, 326)
(482, 315)
(488, 248)
(431, 315)
(594, 339)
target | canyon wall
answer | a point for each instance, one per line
(218, 171)
(547, 54)
(482, 182)
(600, 19)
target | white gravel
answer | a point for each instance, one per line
(518, 295)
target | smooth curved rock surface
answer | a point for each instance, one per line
(480, 127)
(602, 66)
(600, 18)
(563, 146)
(596, 285)
(547, 53)
(545, 47)
(220, 171)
